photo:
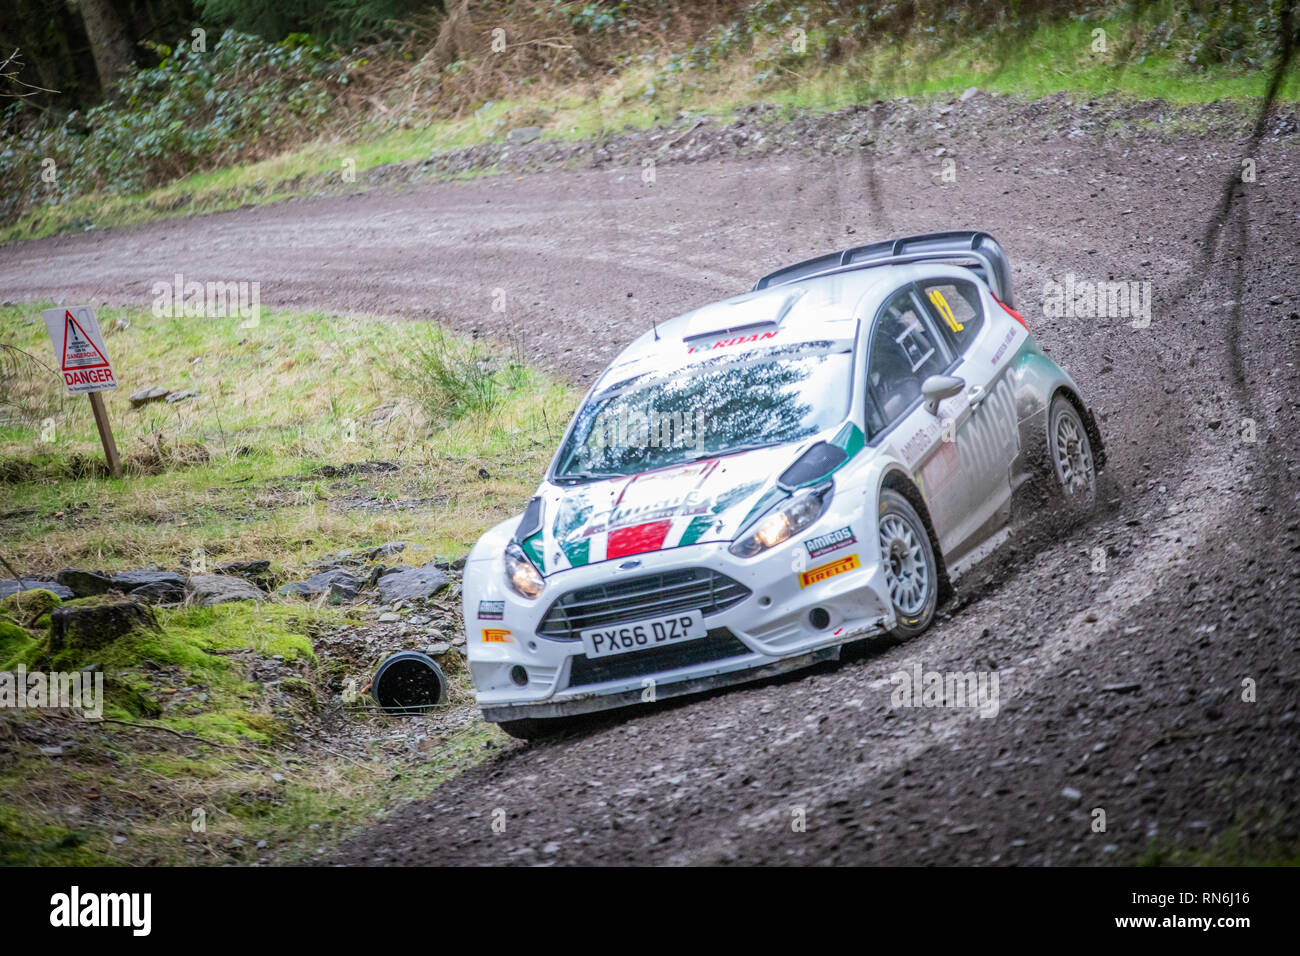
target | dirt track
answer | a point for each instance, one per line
(1121, 689)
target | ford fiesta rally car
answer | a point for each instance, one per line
(753, 484)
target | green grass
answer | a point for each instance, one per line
(214, 741)
(234, 472)
(1053, 58)
(1253, 839)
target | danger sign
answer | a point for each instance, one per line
(79, 349)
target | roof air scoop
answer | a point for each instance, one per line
(752, 312)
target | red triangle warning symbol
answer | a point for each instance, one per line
(78, 350)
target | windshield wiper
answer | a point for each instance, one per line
(585, 476)
(739, 449)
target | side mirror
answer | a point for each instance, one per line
(938, 387)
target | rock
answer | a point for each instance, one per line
(129, 581)
(174, 397)
(10, 586)
(35, 604)
(88, 627)
(160, 592)
(389, 618)
(339, 583)
(407, 585)
(255, 572)
(448, 657)
(210, 589)
(1072, 794)
(1126, 688)
(147, 395)
(968, 93)
(84, 583)
(523, 135)
(393, 569)
(385, 550)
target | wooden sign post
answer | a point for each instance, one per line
(79, 350)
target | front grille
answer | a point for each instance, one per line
(634, 599)
(717, 645)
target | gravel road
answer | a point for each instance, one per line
(1121, 687)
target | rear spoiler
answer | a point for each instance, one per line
(977, 250)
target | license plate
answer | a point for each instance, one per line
(642, 635)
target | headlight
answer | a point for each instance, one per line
(522, 577)
(787, 520)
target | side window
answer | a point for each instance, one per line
(906, 349)
(955, 306)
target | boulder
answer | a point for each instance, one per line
(88, 627)
(160, 592)
(339, 583)
(10, 586)
(255, 572)
(417, 583)
(36, 604)
(128, 581)
(523, 135)
(147, 395)
(84, 583)
(385, 550)
(210, 589)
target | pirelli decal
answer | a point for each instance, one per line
(829, 570)
(496, 635)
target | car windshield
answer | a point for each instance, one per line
(715, 406)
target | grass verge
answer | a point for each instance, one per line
(226, 735)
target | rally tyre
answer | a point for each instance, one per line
(1073, 464)
(911, 572)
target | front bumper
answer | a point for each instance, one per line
(788, 620)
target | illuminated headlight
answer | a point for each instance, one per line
(787, 520)
(520, 573)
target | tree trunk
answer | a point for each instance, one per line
(109, 44)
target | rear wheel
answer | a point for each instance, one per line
(1071, 452)
(911, 572)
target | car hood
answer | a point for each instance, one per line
(709, 500)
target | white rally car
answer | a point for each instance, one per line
(753, 484)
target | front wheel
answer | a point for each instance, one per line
(1072, 460)
(911, 572)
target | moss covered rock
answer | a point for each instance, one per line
(15, 645)
(90, 625)
(35, 604)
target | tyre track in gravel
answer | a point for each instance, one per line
(715, 779)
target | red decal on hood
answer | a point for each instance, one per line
(637, 539)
